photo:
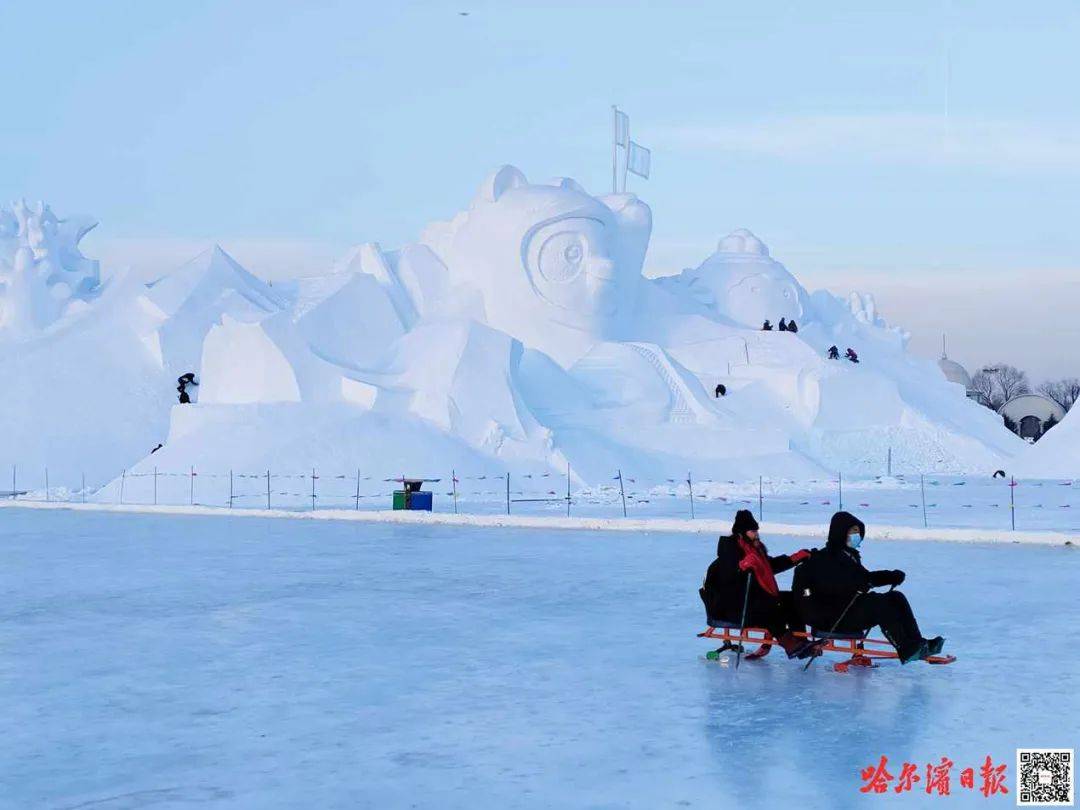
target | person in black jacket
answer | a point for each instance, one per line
(782, 326)
(766, 327)
(834, 353)
(833, 580)
(743, 561)
(792, 326)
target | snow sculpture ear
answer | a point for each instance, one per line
(568, 183)
(500, 181)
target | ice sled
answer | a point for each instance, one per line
(862, 650)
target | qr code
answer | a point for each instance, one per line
(1044, 777)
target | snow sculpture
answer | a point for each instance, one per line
(42, 272)
(555, 267)
(742, 283)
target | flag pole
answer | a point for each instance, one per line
(614, 148)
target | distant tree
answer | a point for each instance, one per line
(1065, 392)
(998, 384)
(1049, 423)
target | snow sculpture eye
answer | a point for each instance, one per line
(561, 257)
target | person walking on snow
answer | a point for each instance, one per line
(743, 561)
(833, 588)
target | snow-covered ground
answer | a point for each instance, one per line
(171, 662)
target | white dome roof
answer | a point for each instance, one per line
(954, 372)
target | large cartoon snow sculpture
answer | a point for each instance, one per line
(42, 271)
(555, 267)
(742, 283)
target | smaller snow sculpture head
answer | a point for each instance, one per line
(41, 269)
(556, 267)
(742, 283)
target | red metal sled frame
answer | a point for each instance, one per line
(862, 651)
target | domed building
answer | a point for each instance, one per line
(956, 373)
(1032, 414)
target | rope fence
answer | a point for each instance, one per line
(927, 500)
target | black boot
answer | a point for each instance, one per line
(917, 652)
(934, 645)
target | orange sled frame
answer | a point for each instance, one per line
(862, 650)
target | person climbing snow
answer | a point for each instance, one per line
(766, 327)
(721, 390)
(792, 326)
(183, 381)
(782, 326)
(850, 355)
(832, 589)
(743, 561)
(834, 353)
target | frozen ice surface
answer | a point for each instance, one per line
(150, 661)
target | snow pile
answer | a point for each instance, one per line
(1056, 454)
(518, 335)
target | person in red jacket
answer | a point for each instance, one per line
(742, 561)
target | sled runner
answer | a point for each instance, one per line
(862, 650)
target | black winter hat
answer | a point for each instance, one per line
(744, 522)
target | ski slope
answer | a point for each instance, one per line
(168, 661)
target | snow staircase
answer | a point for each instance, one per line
(686, 407)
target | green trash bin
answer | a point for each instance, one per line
(401, 499)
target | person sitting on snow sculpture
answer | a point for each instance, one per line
(766, 327)
(782, 326)
(850, 355)
(792, 326)
(183, 381)
(743, 561)
(834, 353)
(832, 590)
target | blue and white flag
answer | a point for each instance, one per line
(638, 160)
(622, 128)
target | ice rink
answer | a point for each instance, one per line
(173, 662)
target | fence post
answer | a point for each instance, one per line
(922, 489)
(622, 494)
(1012, 500)
(191, 496)
(155, 486)
(760, 501)
(840, 480)
(568, 489)
(231, 498)
(508, 493)
(312, 489)
(267, 489)
(690, 483)
(357, 489)
(46, 485)
(123, 475)
(889, 464)
(453, 484)
(84, 487)
(12, 482)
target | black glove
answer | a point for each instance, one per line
(896, 578)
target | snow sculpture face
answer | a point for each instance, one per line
(555, 266)
(743, 283)
(41, 268)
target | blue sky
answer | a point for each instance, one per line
(928, 152)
